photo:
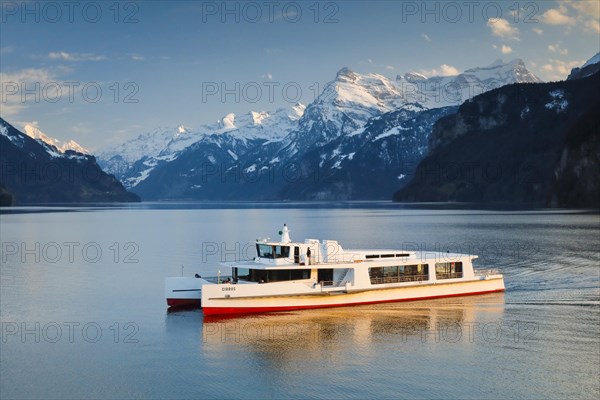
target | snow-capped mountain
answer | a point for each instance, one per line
(118, 159)
(443, 91)
(261, 125)
(589, 68)
(74, 177)
(594, 60)
(363, 129)
(351, 99)
(133, 161)
(366, 163)
(35, 133)
(541, 139)
(347, 102)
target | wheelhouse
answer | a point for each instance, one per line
(271, 251)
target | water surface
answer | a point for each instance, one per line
(83, 312)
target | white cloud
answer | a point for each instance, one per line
(555, 48)
(137, 57)
(442, 70)
(557, 16)
(506, 49)
(538, 31)
(11, 109)
(570, 13)
(390, 67)
(502, 28)
(64, 56)
(556, 70)
(426, 37)
(590, 7)
(593, 25)
(28, 76)
(268, 76)
(12, 101)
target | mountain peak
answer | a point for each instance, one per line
(346, 73)
(412, 77)
(594, 60)
(34, 132)
(514, 71)
(590, 67)
(500, 63)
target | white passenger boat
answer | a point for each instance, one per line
(289, 275)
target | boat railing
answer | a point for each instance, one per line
(218, 279)
(397, 279)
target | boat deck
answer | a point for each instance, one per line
(355, 258)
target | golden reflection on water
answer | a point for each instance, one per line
(454, 320)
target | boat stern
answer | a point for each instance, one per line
(184, 291)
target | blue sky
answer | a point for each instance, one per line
(183, 62)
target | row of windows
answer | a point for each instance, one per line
(262, 276)
(401, 273)
(371, 256)
(416, 272)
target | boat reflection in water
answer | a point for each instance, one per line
(459, 320)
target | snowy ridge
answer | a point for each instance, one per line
(50, 145)
(594, 60)
(443, 91)
(162, 145)
(35, 133)
(590, 67)
(398, 113)
(16, 140)
(347, 102)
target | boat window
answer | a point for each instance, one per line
(300, 274)
(401, 273)
(258, 275)
(288, 275)
(387, 255)
(264, 250)
(269, 251)
(372, 256)
(282, 251)
(402, 255)
(449, 270)
(241, 273)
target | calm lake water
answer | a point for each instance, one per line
(83, 312)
